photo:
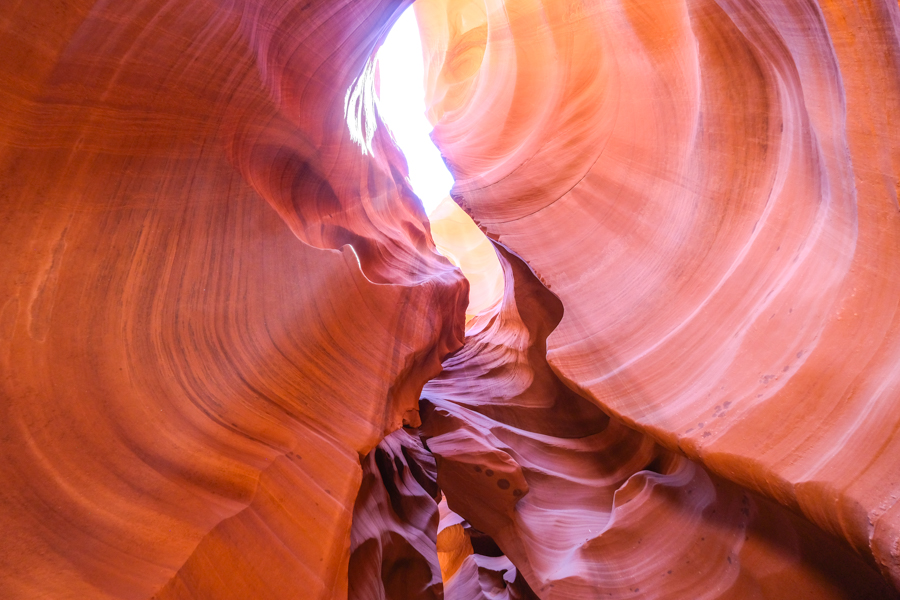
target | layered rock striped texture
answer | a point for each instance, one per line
(234, 364)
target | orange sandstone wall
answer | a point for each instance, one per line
(193, 360)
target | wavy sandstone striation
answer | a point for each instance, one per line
(220, 301)
(473, 566)
(193, 360)
(594, 509)
(395, 523)
(710, 188)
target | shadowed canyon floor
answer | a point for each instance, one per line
(235, 364)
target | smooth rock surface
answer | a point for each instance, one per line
(193, 359)
(589, 508)
(711, 190)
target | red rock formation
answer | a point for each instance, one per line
(589, 508)
(473, 566)
(192, 358)
(710, 188)
(395, 524)
(216, 296)
(458, 238)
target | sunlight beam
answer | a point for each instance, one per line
(401, 104)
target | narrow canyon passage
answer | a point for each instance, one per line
(240, 360)
(517, 486)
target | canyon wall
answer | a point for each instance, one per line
(220, 303)
(193, 355)
(710, 188)
(585, 507)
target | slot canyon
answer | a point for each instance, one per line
(239, 361)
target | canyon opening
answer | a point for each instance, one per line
(399, 79)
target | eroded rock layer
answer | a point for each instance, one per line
(711, 189)
(218, 293)
(473, 566)
(395, 524)
(193, 360)
(590, 508)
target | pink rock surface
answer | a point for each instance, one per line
(710, 188)
(395, 524)
(601, 510)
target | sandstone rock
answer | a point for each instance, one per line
(218, 296)
(193, 358)
(710, 188)
(604, 511)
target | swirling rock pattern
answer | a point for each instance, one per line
(473, 566)
(395, 524)
(711, 190)
(604, 511)
(193, 360)
(218, 293)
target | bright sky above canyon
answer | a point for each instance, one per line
(402, 107)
